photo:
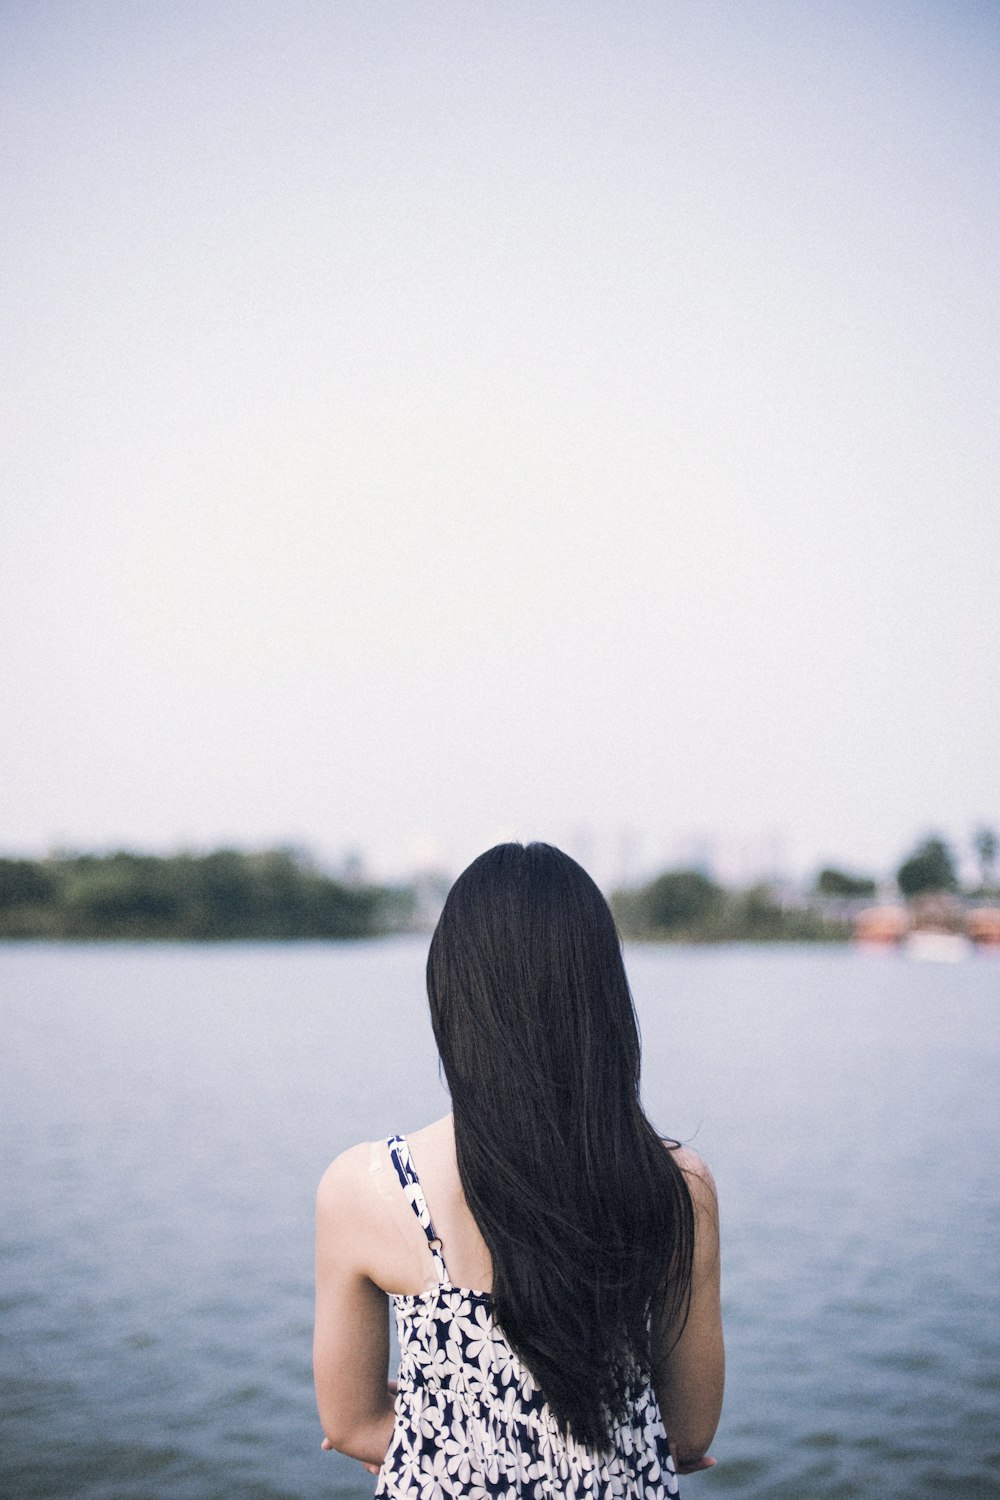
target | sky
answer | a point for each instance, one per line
(427, 425)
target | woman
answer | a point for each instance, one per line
(555, 1264)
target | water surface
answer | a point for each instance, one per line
(168, 1111)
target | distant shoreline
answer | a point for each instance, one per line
(282, 896)
(276, 895)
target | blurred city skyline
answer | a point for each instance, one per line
(429, 427)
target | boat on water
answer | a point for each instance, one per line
(937, 947)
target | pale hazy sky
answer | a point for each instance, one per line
(424, 424)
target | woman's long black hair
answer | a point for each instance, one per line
(586, 1215)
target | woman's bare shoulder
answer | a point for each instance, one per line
(437, 1139)
(358, 1175)
(697, 1173)
(345, 1193)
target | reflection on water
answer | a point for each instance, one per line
(168, 1112)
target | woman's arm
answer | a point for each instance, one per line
(351, 1340)
(689, 1374)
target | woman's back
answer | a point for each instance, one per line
(432, 1152)
(572, 1250)
(470, 1420)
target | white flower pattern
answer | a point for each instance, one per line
(470, 1420)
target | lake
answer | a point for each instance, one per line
(168, 1111)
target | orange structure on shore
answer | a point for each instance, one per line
(983, 926)
(881, 926)
(935, 925)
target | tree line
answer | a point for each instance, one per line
(688, 905)
(280, 894)
(226, 894)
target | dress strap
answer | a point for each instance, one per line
(399, 1152)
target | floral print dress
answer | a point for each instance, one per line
(470, 1420)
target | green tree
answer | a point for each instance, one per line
(831, 882)
(24, 882)
(263, 895)
(226, 895)
(680, 899)
(342, 911)
(931, 867)
(758, 917)
(121, 895)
